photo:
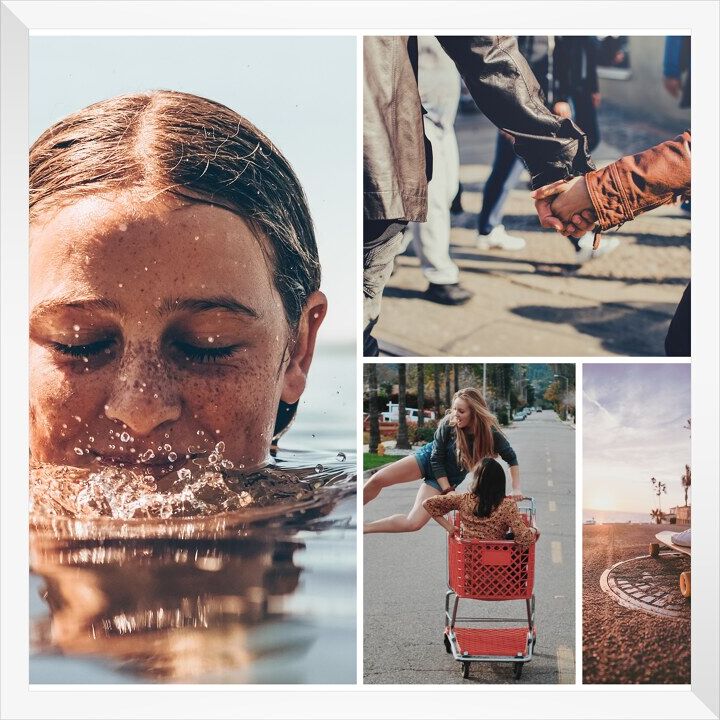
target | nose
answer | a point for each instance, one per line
(143, 395)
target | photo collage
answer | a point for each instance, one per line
(427, 425)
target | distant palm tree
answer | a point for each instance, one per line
(657, 515)
(685, 479)
(403, 442)
(421, 394)
(373, 408)
(659, 488)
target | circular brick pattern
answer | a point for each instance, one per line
(649, 584)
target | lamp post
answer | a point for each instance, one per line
(567, 384)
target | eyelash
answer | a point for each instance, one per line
(78, 351)
(192, 352)
(205, 354)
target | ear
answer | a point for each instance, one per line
(301, 353)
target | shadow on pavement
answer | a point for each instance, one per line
(627, 329)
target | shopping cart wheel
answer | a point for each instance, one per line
(466, 670)
(517, 670)
(446, 640)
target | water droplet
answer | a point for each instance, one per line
(91, 439)
(172, 456)
(125, 437)
(76, 328)
(319, 468)
(78, 451)
(211, 339)
(147, 455)
(217, 432)
(220, 447)
(167, 435)
(227, 464)
(341, 457)
(167, 447)
(120, 285)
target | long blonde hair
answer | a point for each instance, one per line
(482, 423)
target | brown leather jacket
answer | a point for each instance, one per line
(641, 182)
(397, 158)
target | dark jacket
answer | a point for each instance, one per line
(396, 156)
(444, 461)
(637, 183)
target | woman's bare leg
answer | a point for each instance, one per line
(401, 471)
(414, 520)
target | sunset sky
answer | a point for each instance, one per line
(633, 418)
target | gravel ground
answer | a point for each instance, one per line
(622, 645)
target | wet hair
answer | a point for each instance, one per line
(188, 146)
(488, 487)
(480, 428)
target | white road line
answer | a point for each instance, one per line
(565, 664)
(551, 483)
(556, 552)
(552, 506)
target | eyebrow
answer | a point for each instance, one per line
(220, 302)
(88, 305)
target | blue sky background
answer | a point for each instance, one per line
(300, 91)
(633, 418)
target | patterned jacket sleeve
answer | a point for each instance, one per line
(523, 534)
(503, 448)
(442, 504)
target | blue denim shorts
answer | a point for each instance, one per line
(423, 460)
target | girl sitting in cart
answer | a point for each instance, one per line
(485, 512)
(466, 436)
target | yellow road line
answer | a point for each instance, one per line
(552, 506)
(551, 483)
(565, 664)
(556, 552)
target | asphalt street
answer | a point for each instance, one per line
(405, 576)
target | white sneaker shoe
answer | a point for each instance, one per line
(586, 252)
(498, 238)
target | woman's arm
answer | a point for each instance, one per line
(440, 505)
(439, 453)
(504, 450)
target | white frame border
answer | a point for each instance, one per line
(20, 700)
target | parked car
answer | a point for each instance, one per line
(519, 415)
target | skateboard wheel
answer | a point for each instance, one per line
(654, 549)
(685, 584)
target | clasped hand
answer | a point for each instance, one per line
(565, 206)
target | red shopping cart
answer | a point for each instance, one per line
(492, 571)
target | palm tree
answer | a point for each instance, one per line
(456, 377)
(403, 442)
(447, 386)
(685, 480)
(421, 394)
(657, 515)
(659, 489)
(373, 408)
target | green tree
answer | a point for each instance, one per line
(436, 380)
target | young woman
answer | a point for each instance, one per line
(174, 287)
(485, 512)
(467, 435)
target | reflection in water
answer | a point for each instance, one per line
(208, 598)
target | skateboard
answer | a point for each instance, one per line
(665, 538)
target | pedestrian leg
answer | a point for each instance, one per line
(414, 520)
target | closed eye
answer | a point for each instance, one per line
(205, 354)
(86, 350)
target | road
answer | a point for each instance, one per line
(405, 576)
(526, 301)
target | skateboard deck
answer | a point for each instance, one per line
(665, 538)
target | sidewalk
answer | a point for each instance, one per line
(537, 302)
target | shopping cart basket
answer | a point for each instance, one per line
(492, 571)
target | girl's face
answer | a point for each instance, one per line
(461, 411)
(156, 332)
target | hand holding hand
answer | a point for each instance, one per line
(574, 208)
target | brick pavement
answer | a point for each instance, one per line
(538, 302)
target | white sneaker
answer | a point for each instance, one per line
(586, 252)
(498, 238)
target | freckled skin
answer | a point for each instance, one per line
(145, 382)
